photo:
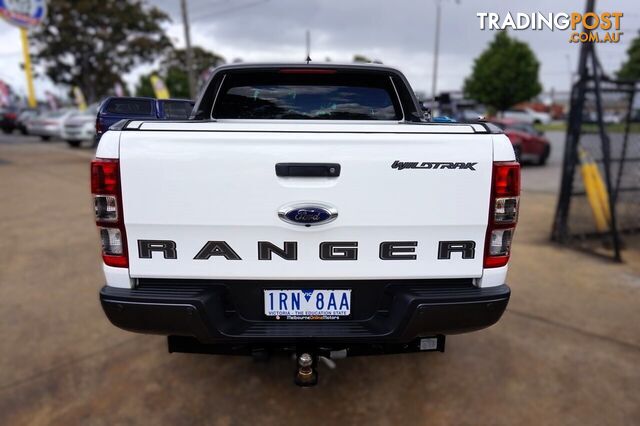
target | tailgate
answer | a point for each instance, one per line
(190, 188)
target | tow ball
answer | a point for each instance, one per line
(307, 372)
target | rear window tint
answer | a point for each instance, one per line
(130, 106)
(174, 110)
(339, 96)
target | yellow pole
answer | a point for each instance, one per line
(27, 67)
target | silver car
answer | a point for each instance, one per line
(80, 127)
(49, 124)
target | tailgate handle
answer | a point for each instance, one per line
(308, 169)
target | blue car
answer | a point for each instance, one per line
(114, 109)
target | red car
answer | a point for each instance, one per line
(529, 144)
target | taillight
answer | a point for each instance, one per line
(107, 207)
(99, 128)
(503, 213)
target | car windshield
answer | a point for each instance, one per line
(321, 96)
(129, 106)
(523, 127)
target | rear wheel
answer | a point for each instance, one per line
(542, 159)
(7, 130)
(518, 151)
(74, 144)
(45, 138)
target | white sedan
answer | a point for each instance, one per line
(528, 115)
(80, 127)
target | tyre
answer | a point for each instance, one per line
(542, 159)
(74, 144)
(45, 138)
(518, 151)
(7, 130)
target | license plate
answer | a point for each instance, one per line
(307, 304)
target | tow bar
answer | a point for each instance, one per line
(308, 357)
(307, 373)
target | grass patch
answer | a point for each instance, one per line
(561, 126)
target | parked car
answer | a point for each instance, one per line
(80, 127)
(273, 223)
(608, 117)
(528, 115)
(23, 119)
(529, 144)
(49, 124)
(114, 109)
(8, 117)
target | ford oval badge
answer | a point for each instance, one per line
(308, 214)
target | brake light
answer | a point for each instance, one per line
(503, 213)
(306, 71)
(107, 204)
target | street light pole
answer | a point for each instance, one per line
(188, 51)
(435, 51)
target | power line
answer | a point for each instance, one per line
(229, 10)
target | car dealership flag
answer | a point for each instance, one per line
(80, 100)
(159, 88)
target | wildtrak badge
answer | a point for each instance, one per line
(401, 165)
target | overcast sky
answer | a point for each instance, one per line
(399, 33)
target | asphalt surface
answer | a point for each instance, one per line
(567, 351)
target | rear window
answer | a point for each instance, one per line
(321, 96)
(176, 110)
(130, 106)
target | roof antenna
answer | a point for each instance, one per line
(308, 43)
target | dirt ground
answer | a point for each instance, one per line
(566, 352)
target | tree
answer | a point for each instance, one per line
(172, 70)
(361, 58)
(93, 43)
(202, 59)
(630, 69)
(505, 74)
(144, 86)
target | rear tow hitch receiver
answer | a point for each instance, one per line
(306, 373)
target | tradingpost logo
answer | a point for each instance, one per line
(587, 27)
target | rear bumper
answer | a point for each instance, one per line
(383, 311)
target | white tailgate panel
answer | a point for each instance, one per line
(194, 187)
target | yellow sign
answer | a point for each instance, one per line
(25, 14)
(27, 67)
(159, 88)
(80, 100)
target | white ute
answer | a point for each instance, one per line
(308, 209)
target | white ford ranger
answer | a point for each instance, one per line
(306, 209)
